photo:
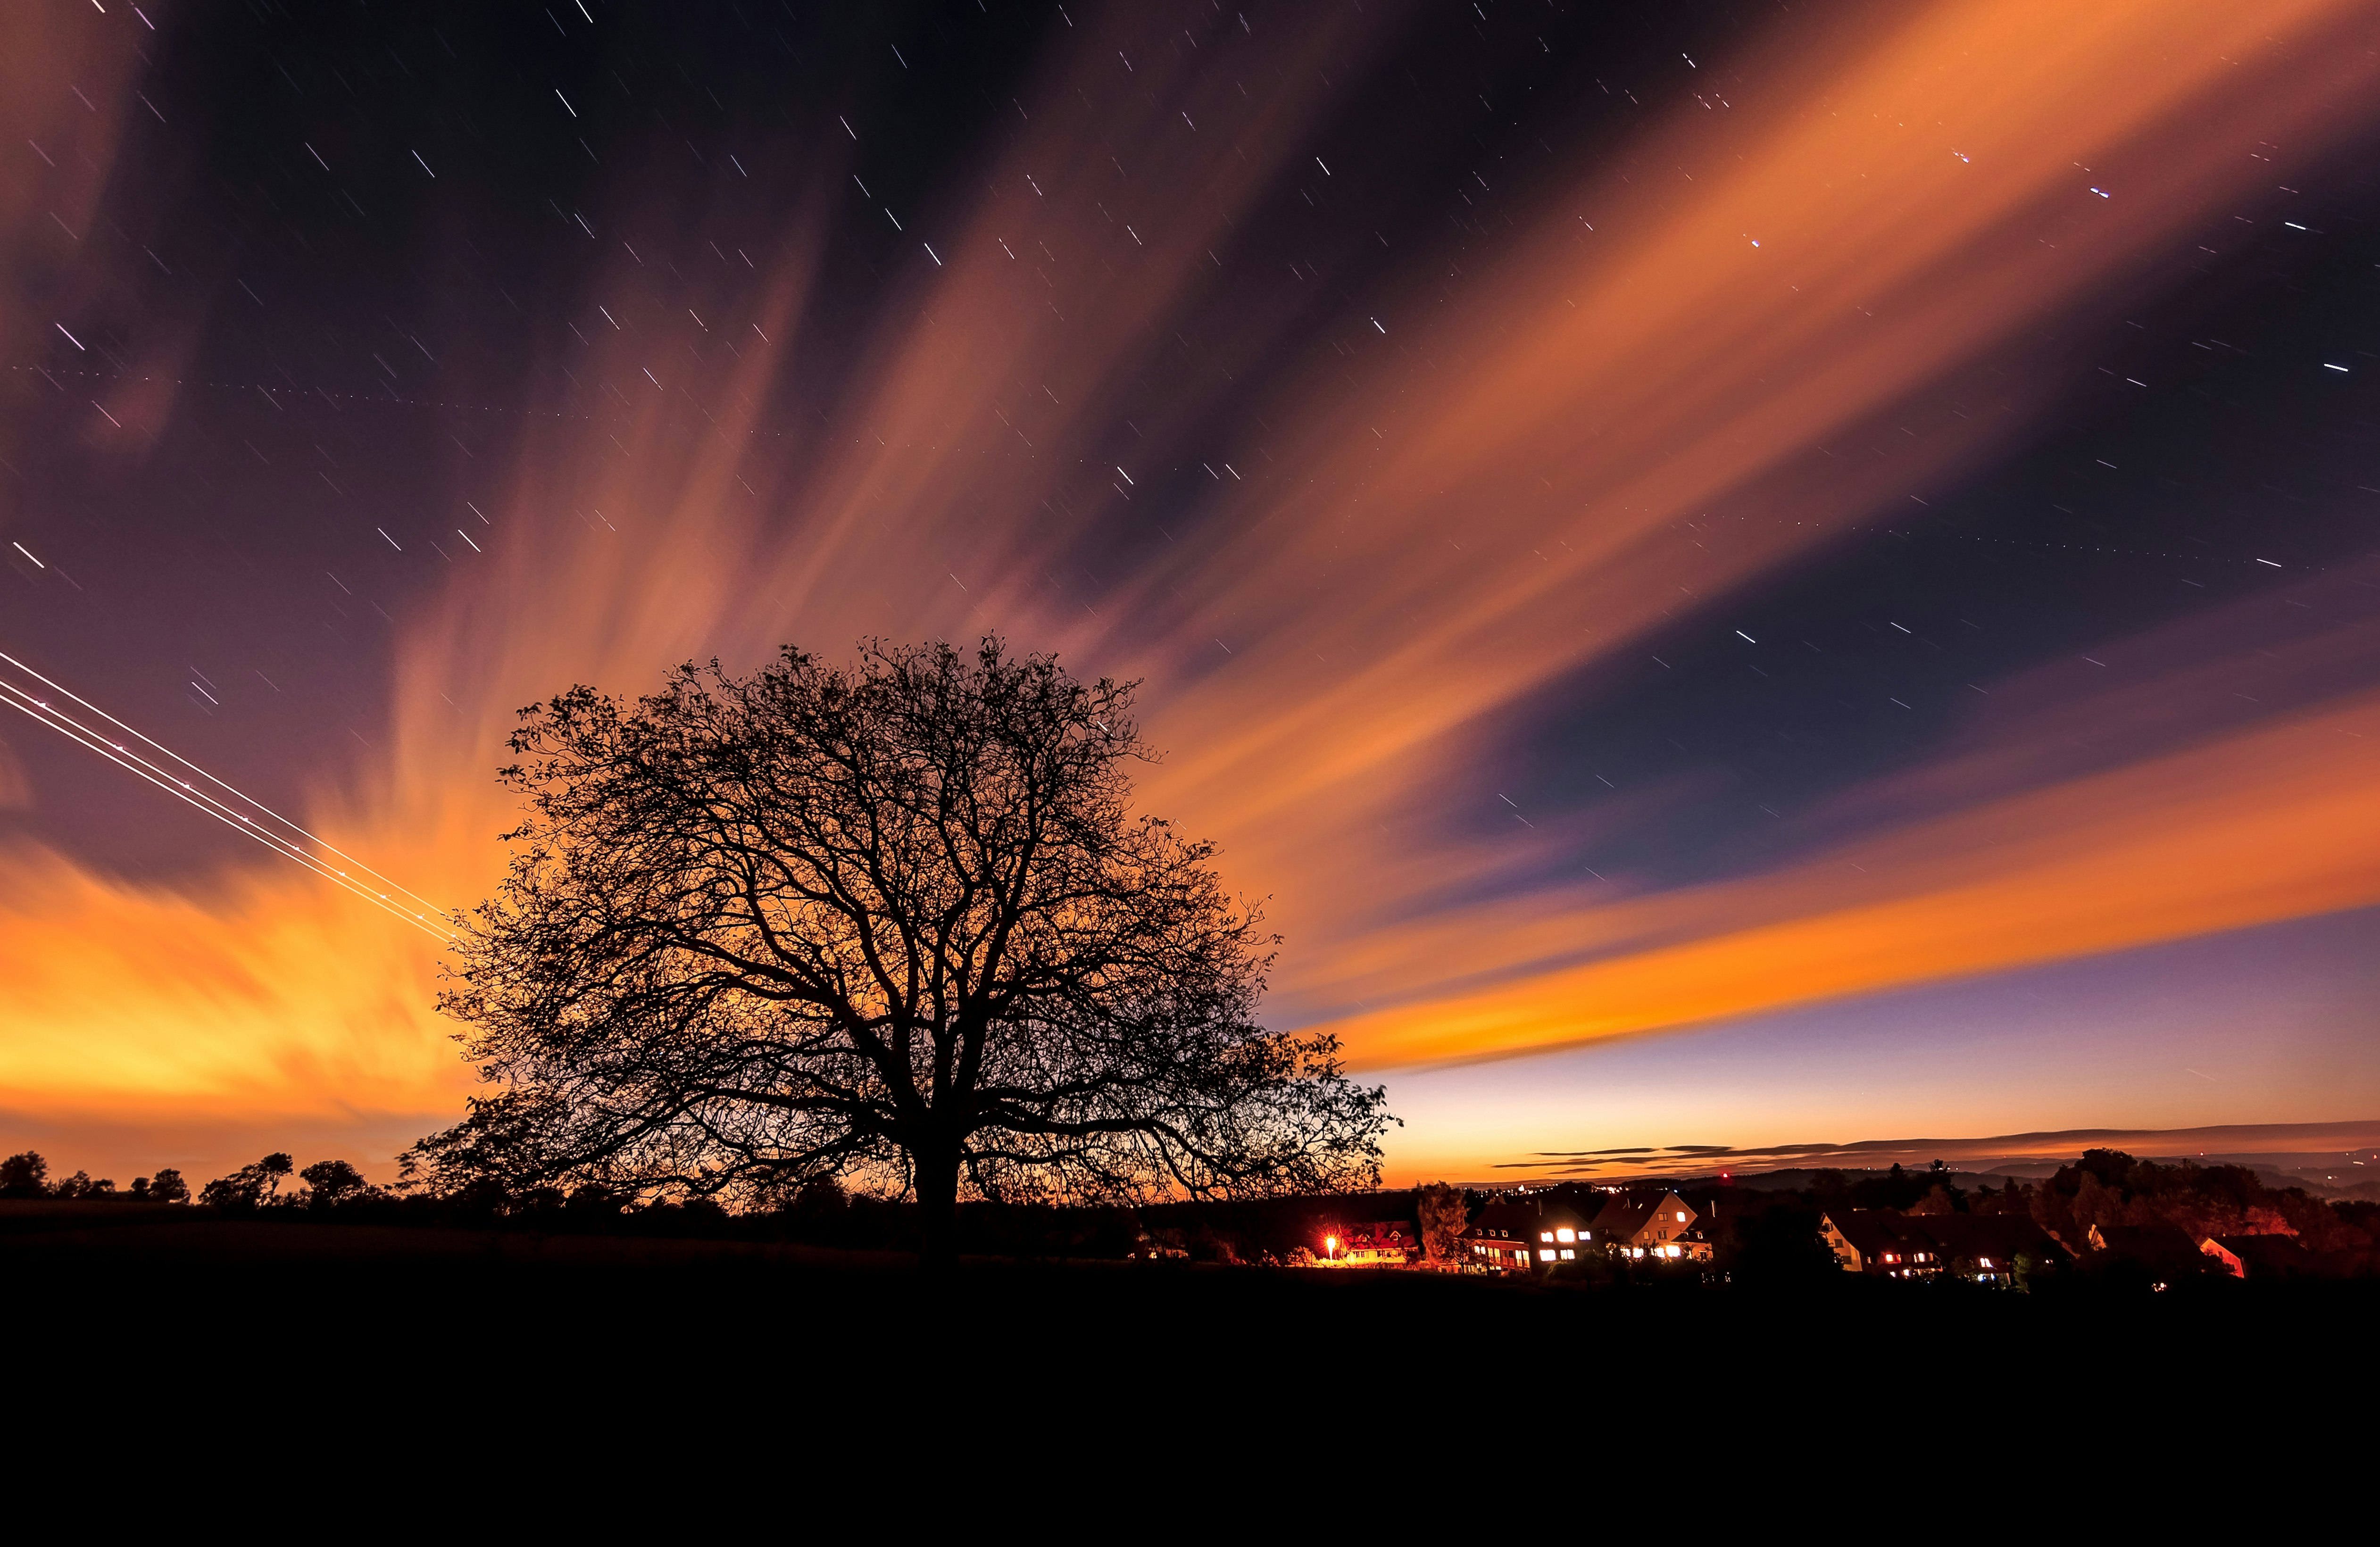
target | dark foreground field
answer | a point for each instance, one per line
(169, 1320)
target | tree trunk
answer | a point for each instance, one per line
(937, 1182)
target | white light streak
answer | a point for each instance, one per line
(429, 919)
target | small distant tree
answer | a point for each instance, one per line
(593, 1200)
(1895, 1190)
(2095, 1204)
(2029, 1270)
(250, 1188)
(333, 1182)
(24, 1175)
(167, 1187)
(1442, 1212)
(819, 1198)
(82, 1184)
(896, 924)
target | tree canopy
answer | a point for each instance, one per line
(896, 922)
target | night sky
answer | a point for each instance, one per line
(1736, 574)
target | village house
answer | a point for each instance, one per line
(1386, 1243)
(1529, 1234)
(2163, 1250)
(1650, 1225)
(2259, 1256)
(1890, 1244)
(1523, 1235)
(1153, 1248)
(1984, 1247)
(1870, 1241)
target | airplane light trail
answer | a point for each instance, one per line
(39, 708)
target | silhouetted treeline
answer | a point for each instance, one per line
(1759, 1235)
(2108, 1188)
(26, 1174)
(820, 1213)
(2115, 1193)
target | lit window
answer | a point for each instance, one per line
(1681, 1216)
(1565, 1235)
(1545, 1235)
(1987, 1261)
(1546, 1256)
(1567, 1255)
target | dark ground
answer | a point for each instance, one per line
(425, 1329)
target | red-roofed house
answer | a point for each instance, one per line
(1386, 1243)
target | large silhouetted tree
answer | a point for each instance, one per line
(894, 922)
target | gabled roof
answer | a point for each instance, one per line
(1943, 1237)
(2001, 1238)
(1625, 1215)
(2165, 1247)
(1522, 1221)
(2266, 1254)
(1385, 1234)
(1872, 1232)
(2159, 1236)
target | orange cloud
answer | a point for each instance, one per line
(1529, 512)
(261, 995)
(2275, 823)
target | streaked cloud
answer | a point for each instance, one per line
(2273, 823)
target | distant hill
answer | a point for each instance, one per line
(2329, 1160)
